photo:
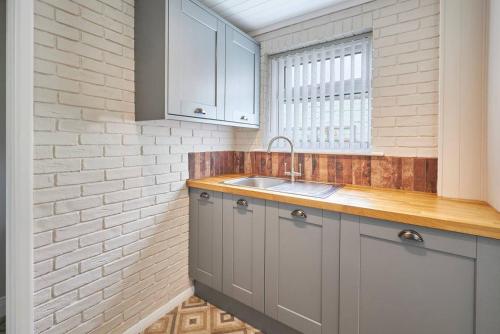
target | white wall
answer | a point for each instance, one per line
(405, 70)
(493, 115)
(462, 96)
(111, 205)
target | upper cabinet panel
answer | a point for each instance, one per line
(242, 78)
(181, 66)
(196, 77)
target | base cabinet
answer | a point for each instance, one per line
(205, 237)
(393, 285)
(243, 249)
(302, 268)
(320, 272)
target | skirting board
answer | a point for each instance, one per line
(160, 312)
(2, 306)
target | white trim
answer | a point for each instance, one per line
(319, 151)
(2, 306)
(160, 312)
(19, 167)
(309, 16)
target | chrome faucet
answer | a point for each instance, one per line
(292, 172)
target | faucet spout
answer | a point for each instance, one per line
(292, 167)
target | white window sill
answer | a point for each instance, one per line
(287, 150)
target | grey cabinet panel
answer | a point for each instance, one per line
(243, 244)
(388, 285)
(205, 237)
(488, 286)
(196, 61)
(242, 78)
(302, 269)
(151, 58)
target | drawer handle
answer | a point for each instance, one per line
(204, 195)
(299, 213)
(410, 235)
(244, 118)
(242, 202)
(200, 111)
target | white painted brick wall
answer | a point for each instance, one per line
(405, 70)
(111, 203)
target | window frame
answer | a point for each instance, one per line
(342, 48)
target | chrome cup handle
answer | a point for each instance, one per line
(410, 235)
(299, 213)
(204, 195)
(242, 202)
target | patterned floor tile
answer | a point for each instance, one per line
(196, 316)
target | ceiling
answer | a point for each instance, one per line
(258, 16)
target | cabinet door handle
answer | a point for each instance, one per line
(204, 195)
(410, 235)
(200, 111)
(244, 118)
(299, 213)
(242, 202)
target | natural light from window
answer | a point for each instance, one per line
(320, 96)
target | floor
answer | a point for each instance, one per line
(196, 316)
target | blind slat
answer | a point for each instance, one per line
(332, 99)
(322, 91)
(341, 102)
(281, 95)
(296, 98)
(305, 99)
(314, 98)
(289, 114)
(352, 130)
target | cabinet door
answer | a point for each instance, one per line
(392, 285)
(196, 61)
(242, 78)
(302, 268)
(205, 237)
(243, 247)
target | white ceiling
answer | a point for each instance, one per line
(258, 16)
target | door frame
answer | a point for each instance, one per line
(19, 165)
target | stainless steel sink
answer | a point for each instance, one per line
(256, 182)
(310, 189)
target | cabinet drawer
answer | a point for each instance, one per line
(449, 242)
(293, 212)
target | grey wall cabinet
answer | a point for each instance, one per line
(243, 249)
(302, 268)
(205, 237)
(392, 285)
(181, 65)
(196, 54)
(242, 78)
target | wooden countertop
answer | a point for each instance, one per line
(422, 209)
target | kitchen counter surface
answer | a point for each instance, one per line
(422, 209)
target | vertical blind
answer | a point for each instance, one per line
(320, 96)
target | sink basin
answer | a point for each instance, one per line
(310, 189)
(256, 182)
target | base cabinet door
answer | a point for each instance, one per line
(205, 237)
(243, 244)
(405, 279)
(302, 267)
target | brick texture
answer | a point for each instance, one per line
(111, 205)
(405, 70)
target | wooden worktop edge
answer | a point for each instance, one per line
(399, 217)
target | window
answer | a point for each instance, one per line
(320, 96)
